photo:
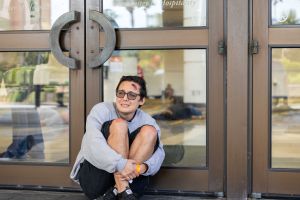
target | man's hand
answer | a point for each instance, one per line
(129, 172)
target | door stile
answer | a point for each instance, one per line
(260, 96)
(216, 97)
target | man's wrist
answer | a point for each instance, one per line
(144, 168)
(121, 164)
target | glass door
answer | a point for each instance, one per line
(173, 45)
(38, 137)
(177, 46)
(276, 97)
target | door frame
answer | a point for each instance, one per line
(237, 99)
(265, 179)
(38, 173)
(203, 180)
(86, 93)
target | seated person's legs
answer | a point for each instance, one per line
(93, 181)
(142, 142)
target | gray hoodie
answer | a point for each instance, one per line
(95, 149)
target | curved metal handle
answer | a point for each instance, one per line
(110, 38)
(67, 18)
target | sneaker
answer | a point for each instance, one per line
(127, 194)
(110, 194)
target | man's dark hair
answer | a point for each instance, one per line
(136, 79)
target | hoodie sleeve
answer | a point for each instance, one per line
(94, 146)
(155, 161)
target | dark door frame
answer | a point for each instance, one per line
(207, 180)
(51, 174)
(265, 179)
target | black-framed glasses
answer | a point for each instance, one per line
(130, 95)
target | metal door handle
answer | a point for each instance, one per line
(110, 38)
(67, 18)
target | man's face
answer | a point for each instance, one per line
(127, 105)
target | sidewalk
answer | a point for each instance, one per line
(45, 195)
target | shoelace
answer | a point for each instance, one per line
(115, 191)
(128, 191)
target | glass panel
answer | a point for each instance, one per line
(176, 84)
(34, 108)
(286, 107)
(30, 14)
(156, 13)
(285, 12)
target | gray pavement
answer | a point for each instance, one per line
(45, 195)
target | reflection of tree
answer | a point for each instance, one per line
(276, 2)
(291, 18)
(150, 59)
(276, 53)
(291, 62)
(292, 54)
(35, 58)
(137, 4)
(111, 13)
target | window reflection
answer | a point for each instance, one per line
(34, 113)
(285, 12)
(285, 108)
(176, 84)
(30, 14)
(156, 13)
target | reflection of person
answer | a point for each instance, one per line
(121, 146)
(27, 138)
(178, 111)
(60, 90)
(279, 84)
(169, 92)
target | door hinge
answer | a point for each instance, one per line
(221, 48)
(254, 47)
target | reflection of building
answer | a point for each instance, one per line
(279, 81)
(30, 14)
(51, 72)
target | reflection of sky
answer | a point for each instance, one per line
(58, 7)
(123, 17)
(151, 15)
(281, 10)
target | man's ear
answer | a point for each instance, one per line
(142, 101)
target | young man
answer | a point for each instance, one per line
(121, 146)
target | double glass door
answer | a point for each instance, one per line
(178, 48)
(173, 45)
(276, 95)
(38, 137)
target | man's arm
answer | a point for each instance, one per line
(155, 161)
(94, 146)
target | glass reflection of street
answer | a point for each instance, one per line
(176, 83)
(285, 103)
(34, 113)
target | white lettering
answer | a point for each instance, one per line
(172, 3)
